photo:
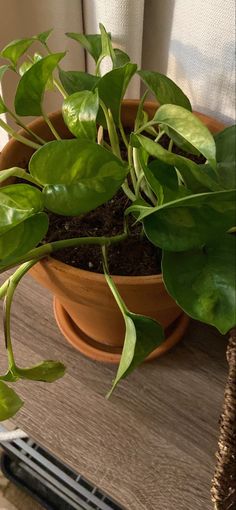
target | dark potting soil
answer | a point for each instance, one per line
(133, 256)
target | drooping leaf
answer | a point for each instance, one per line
(22, 238)
(189, 127)
(92, 43)
(192, 221)
(202, 282)
(15, 49)
(31, 87)
(78, 175)
(17, 203)
(43, 36)
(80, 113)
(76, 81)
(3, 107)
(47, 371)
(164, 89)
(142, 336)
(225, 156)
(10, 403)
(196, 177)
(112, 87)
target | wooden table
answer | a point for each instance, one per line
(152, 445)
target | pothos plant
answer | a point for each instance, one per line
(186, 209)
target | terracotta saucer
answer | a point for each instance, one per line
(102, 352)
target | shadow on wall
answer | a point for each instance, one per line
(207, 80)
(158, 16)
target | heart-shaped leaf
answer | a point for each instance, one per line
(10, 403)
(142, 336)
(47, 371)
(192, 221)
(15, 49)
(107, 49)
(78, 175)
(196, 177)
(164, 182)
(121, 58)
(80, 112)
(112, 87)
(164, 89)
(189, 127)
(17, 203)
(22, 238)
(76, 81)
(225, 156)
(31, 87)
(202, 282)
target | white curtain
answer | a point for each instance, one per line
(193, 42)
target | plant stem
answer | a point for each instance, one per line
(159, 136)
(111, 130)
(124, 137)
(18, 137)
(170, 146)
(11, 287)
(49, 248)
(50, 125)
(130, 160)
(60, 87)
(26, 128)
(111, 283)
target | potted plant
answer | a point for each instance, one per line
(170, 178)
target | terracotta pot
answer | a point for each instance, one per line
(84, 307)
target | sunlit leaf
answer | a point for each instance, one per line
(15, 49)
(17, 203)
(91, 43)
(78, 175)
(3, 107)
(43, 36)
(80, 113)
(189, 127)
(202, 282)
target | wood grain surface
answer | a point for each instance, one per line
(151, 446)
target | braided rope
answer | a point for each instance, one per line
(223, 491)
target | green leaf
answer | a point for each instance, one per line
(31, 87)
(107, 49)
(189, 127)
(142, 336)
(192, 221)
(17, 203)
(196, 177)
(92, 43)
(121, 58)
(76, 81)
(15, 49)
(78, 175)
(43, 36)
(22, 238)
(80, 113)
(27, 64)
(47, 371)
(10, 403)
(3, 107)
(225, 156)
(165, 90)
(202, 282)
(164, 182)
(112, 87)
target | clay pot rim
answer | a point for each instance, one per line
(99, 277)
